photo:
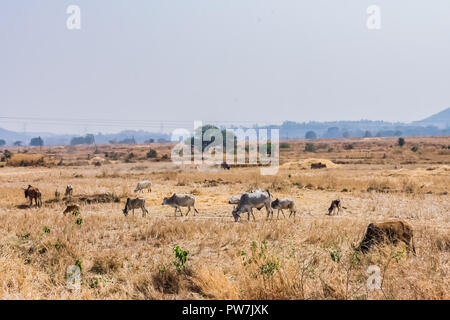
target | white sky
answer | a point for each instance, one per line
(222, 60)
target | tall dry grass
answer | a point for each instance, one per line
(309, 257)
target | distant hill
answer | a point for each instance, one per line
(435, 125)
(440, 119)
(139, 136)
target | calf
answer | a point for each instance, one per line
(319, 165)
(225, 166)
(248, 201)
(33, 193)
(71, 209)
(335, 204)
(69, 191)
(144, 185)
(136, 203)
(391, 232)
(181, 200)
(281, 204)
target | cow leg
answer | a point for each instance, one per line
(189, 209)
(282, 213)
(251, 211)
(175, 213)
(195, 210)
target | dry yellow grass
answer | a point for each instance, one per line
(310, 257)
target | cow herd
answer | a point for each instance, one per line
(392, 231)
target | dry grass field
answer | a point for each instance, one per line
(310, 256)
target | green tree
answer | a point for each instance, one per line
(310, 135)
(37, 142)
(401, 142)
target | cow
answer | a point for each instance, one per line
(225, 166)
(69, 191)
(180, 200)
(144, 185)
(391, 232)
(71, 209)
(281, 204)
(248, 201)
(33, 193)
(136, 203)
(335, 204)
(319, 165)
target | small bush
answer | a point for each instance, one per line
(309, 147)
(180, 259)
(349, 146)
(401, 142)
(152, 154)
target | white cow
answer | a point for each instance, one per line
(181, 200)
(281, 204)
(146, 184)
(248, 201)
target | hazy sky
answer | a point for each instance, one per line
(222, 60)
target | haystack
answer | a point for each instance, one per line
(304, 164)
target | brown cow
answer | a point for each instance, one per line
(33, 193)
(72, 208)
(391, 232)
(319, 165)
(335, 204)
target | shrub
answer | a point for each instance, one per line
(180, 259)
(309, 147)
(349, 146)
(26, 160)
(401, 142)
(415, 149)
(152, 154)
(284, 145)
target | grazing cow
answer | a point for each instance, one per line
(281, 204)
(69, 191)
(225, 166)
(144, 185)
(33, 193)
(319, 165)
(136, 203)
(391, 232)
(248, 201)
(181, 200)
(335, 204)
(71, 209)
